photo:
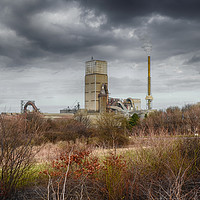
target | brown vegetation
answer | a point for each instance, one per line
(17, 137)
(173, 121)
(164, 162)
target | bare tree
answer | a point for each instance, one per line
(83, 118)
(16, 154)
(112, 129)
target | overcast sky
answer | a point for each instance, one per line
(44, 45)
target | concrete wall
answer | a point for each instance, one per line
(96, 67)
(93, 83)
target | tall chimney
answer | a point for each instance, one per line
(149, 98)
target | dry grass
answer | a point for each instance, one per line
(157, 167)
(50, 151)
(47, 153)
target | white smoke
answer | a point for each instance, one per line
(146, 41)
(147, 46)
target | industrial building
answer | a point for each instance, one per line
(96, 91)
(96, 85)
(125, 106)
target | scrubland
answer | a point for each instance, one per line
(157, 157)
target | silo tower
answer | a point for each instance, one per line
(95, 79)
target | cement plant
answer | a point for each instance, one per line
(97, 98)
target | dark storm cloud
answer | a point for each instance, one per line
(123, 12)
(172, 26)
(31, 31)
(16, 38)
(28, 34)
(36, 34)
(194, 59)
(173, 37)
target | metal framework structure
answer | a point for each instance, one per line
(26, 103)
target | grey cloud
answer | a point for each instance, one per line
(184, 84)
(61, 35)
(126, 85)
(172, 37)
(28, 41)
(35, 37)
(123, 12)
(194, 59)
(45, 39)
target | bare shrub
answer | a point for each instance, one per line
(114, 176)
(37, 126)
(111, 130)
(16, 154)
(73, 176)
(173, 121)
(166, 170)
(66, 130)
(84, 119)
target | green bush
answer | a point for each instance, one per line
(134, 120)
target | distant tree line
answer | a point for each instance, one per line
(172, 121)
